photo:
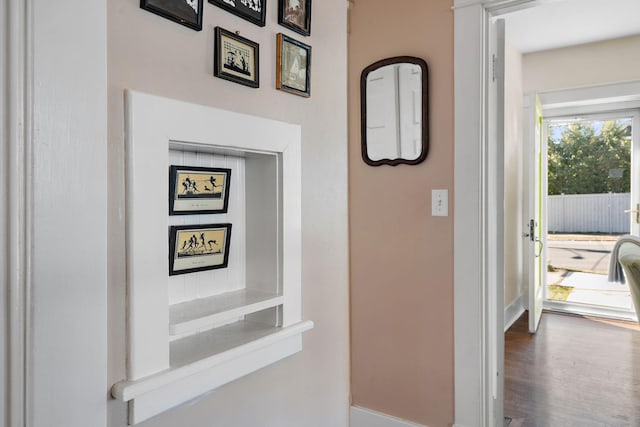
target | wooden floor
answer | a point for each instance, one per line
(575, 371)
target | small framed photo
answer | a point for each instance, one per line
(251, 10)
(236, 58)
(185, 12)
(198, 190)
(198, 247)
(295, 15)
(293, 66)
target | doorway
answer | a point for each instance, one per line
(570, 125)
(476, 314)
(588, 201)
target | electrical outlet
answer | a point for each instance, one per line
(439, 202)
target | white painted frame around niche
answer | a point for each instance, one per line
(154, 126)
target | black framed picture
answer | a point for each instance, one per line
(236, 58)
(293, 66)
(198, 247)
(295, 15)
(198, 190)
(185, 12)
(251, 10)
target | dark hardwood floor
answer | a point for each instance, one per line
(574, 372)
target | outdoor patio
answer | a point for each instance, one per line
(578, 266)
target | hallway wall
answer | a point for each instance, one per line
(152, 54)
(589, 64)
(513, 177)
(401, 256)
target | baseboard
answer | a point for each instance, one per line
(361, 417)
(513, 312)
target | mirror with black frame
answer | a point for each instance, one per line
(394, 121)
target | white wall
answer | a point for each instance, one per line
(152, 54)
(513, 176)
(583, 65)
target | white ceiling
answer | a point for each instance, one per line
(561, 23)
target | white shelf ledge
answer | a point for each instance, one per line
(205, 361)
(192, 316)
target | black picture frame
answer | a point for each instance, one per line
(201, 247)
(293, 66)
(295, 15)
(176, 10)
(254, 11)
(198, 190)
(236, 58)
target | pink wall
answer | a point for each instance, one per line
(401, 256)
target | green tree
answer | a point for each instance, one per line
(590, 158)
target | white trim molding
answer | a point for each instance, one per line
(16, 208)
(459, 4)
(513, 312)
(362, 417)
(57, 191)
(591, 99)
(469, 375)
(163, 372)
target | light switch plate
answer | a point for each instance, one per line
(439, 202)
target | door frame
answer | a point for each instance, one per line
(15, 215)
(621, 99)
(476, 252)
(474, 315)
(47, 117)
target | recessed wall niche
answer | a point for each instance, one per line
(191, 333)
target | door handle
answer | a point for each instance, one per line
(635, 211)
(537, 240)
(532, 225)
(532, 236)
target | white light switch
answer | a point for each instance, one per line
(439, 202)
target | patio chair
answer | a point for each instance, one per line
(629, 258)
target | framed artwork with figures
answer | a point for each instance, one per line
(185, 12)
(236, 58)
(198, 190)
(195, 248)
(251, 10)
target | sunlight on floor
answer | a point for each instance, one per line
(588, 288)
(634, 326)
